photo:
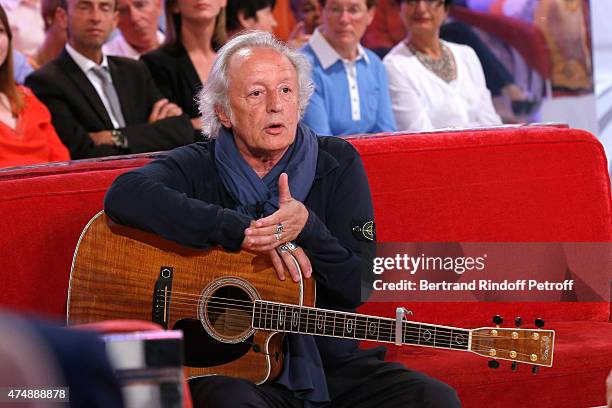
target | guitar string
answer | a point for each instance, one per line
(384, 324)
(408, 333)
(407, 337)
(390, 324)
(383, 320)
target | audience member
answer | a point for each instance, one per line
(56, 35)
(387, 30)
(307, 13)
(249, 15)
(351, 91)
(258, 15)
(21, 67)
(138, 29)
(26, 24)
(26, 133)
(269, 185)
(433, 83)
(105, 105)
(194, 33)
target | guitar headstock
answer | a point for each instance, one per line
(532, 346)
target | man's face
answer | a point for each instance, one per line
(138, 22)
(263, 99)
(310, 13)
(345, 21)
(90, 22)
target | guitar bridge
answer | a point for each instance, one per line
(162, 294)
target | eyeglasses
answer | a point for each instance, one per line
(354, 11)
(429, 3)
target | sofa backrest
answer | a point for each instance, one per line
(518, 184)
(526, 184)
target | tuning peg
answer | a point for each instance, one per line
(497, 319)
(514, 366)
(534, 369)
(493, 364)
(518, 321)
(539, 322)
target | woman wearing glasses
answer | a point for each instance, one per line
(351, 90)
(434, 83)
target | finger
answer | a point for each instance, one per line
(278, 265)
(155, 110)
(291, 266)
(164, 111)
(174, 111)
(283, 188)
(303, 261)
(262, 231)
(272, 219)
(297, 30)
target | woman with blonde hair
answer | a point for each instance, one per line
(26, 133)
(195, 30)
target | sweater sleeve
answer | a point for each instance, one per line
(340, 256)
(167, 197)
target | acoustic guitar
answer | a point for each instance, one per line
(234, 311)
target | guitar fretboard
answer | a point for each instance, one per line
(322, 322)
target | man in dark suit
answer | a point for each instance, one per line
(102, 105)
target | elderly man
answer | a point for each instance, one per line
(102, 106)
(138, 29)
(262, 169)
(351, 91)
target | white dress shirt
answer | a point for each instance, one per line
(423, 101)
(86, 65)
(120, 47)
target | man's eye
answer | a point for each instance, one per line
(286, 90)
(255, 93)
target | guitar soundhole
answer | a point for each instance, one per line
(228, 312)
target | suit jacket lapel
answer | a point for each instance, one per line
(76, 75)
(121, 82)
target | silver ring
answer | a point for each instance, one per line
(279, 228)
(278, 236)
(283, 248)
(291, 246)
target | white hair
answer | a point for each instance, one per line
(214, 94)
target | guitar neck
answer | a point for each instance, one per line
(322, 322)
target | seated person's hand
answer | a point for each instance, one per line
(282, 226)
(102, 137)
(196, 123)
(297, 39)
(288, 254)
(163, 109)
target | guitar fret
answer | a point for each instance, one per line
(334, 326)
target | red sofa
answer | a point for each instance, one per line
(535, 184)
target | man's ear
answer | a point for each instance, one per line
(246, 22)
(61, 17)
(223, 117)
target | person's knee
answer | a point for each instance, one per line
(437, 394)
(222, 392)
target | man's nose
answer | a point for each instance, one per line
(274, 102)
(345, 16)
(95, 14)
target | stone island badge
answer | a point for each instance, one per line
(364, 230)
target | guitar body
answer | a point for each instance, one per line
(123, 273)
